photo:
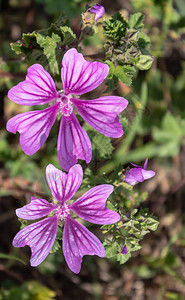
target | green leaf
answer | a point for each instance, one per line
(181, 6)
(110, 250)
(136, 21)
(172, 124)
(68, 35)
(173, 296)
(144, 272)
(136, 247)
(143, 41)
(30, 290)
(115, 28)
(122, 258)
(59, 233)
(112, 80)
(71, 8)
(152, 223)
(112, 84)
(102, 146)
(145, 62)
(49, 45)
(56, 246)
(7, 256)
(16, 47)
(125, 74)
(169, 136)
(29, 37)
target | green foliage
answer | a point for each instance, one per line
(101, 145)
(71, 8)
(173, 296)
(115, 27)
(123, 258)
(144, 41)
(47, 46)
(129, 48)
(136, 21)
(139, 223)
(68, 35)
(30, 290)
(57, 242)
(123, 155)
(132, 227)
(12, 257)
(123, 73)
(144, 62)
(170, 136)
(56, 246)
(153, 127)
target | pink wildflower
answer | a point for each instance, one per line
(98, 10)
(77, 239)
(78, 77)
(138, 174)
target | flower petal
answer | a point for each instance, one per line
(147, 174)
(103, 114)
(77, 242)
(40, 237)
(145, 164)
(80, 76)
(98, 10)
(34, 127)
(136, 166)
(124, 250)
(134, 175)
(73, 143)
(38, 88)
(91, 206)
(63, 186)
(36, 209)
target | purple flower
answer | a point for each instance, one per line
(77, 239)
(138, 174)
(124, 250)
(98, 10)
(78, 76)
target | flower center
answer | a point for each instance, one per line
(62, 211)
(66, 106)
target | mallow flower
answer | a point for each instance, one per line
(138, 174)
(98, 10)
(78, 77)
(77, 239)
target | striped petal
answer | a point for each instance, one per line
(80, 76)
(40, 237)
(34, 127)
(36, 209)
(63, 186)
(77, 242)
(103, 114)
(91, 206)
(38, 88)
(73, 143)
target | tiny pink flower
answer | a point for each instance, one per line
(77, 239)
(138, 174)
(98, 10)
(78, 77)
(124, 250)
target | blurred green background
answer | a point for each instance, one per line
(154, 128)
